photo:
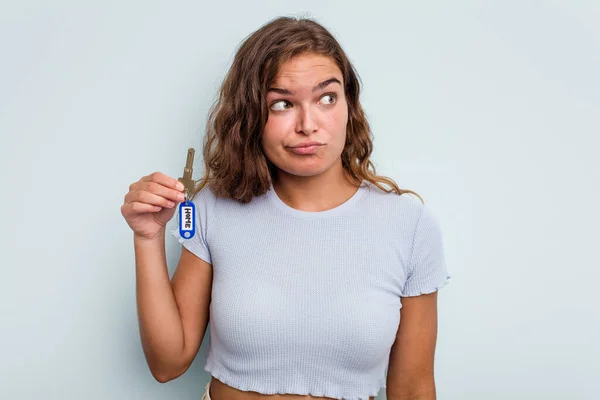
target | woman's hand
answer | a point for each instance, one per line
(151, 203)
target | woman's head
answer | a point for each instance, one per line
(306, 103)
(267, 104)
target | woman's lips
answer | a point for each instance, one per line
(306, 150)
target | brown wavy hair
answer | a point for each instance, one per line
(235, 164)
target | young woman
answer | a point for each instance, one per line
(318, 281)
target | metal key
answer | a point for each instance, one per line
(187, 180)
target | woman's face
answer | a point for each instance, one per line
(306, 104)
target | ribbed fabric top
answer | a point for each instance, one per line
(308, 303)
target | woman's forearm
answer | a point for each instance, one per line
(160, 324)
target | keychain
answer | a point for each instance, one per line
(187, 209)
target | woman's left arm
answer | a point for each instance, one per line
(410, 371)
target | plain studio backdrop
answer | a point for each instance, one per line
(490, 110)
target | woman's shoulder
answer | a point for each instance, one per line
(205, 197)
(392, 201)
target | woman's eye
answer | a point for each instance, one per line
(277, 105)
(282, 105)
(331, 97)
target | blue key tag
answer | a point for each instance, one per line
(187, 219)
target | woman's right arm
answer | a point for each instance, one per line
(173, 314)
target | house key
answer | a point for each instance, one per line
(187, 209)
(187, 180)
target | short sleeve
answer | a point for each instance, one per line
(427, 268)
(204, 201)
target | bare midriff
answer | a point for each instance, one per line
(221, 391)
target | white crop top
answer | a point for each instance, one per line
(308, 303)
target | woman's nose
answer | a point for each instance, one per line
(306, 122)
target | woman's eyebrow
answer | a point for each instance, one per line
(320, 86)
